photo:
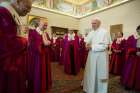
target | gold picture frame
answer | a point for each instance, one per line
(37, 18)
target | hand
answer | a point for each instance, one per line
(88, 46)
(60, 49)
(48, 42)
(138, 53)
(104, 80)
(54, 45)
(117, 51)
(109, 52)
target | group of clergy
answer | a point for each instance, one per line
(25, 61)
(69, 51)
(39, 66)
(125, 59)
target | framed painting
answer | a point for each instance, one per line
(114, 29)
(33, 18)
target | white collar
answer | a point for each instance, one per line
(39, 31)
(12, 11)
(55, 37)
(71, 36)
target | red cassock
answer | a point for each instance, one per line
(39, 67)
(82, 52)
(13, 56)
(117, 57)
(137, 79)
(71, 55)
(48, 64)
(137, 83)
(55, 50)
(61, 46)
(36, 63)
(131, 72)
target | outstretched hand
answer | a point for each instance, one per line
(88, 46)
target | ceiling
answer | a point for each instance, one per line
(76, 8)
(77, 2)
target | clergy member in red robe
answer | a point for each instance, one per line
(47, 49)
(118, 55)
(86, 50)
(131, 73)
(71, 53)
(13, 47)
(137, 84)
(55, 48)
(82, 50)
(61, 46)
(37, 58)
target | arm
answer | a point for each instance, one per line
(45, 39)
(103, 44)
(11, 45)
(8, 33)
(88, 41)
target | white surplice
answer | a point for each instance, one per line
(96, 68)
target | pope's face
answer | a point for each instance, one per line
(95, 24)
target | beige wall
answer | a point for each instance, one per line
(127, 14)
(55, 19)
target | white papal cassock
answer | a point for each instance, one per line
(96, 69)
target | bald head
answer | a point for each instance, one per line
(96, 23)
(22, 6)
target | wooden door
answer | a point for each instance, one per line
(59, 30)
(114, 29)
